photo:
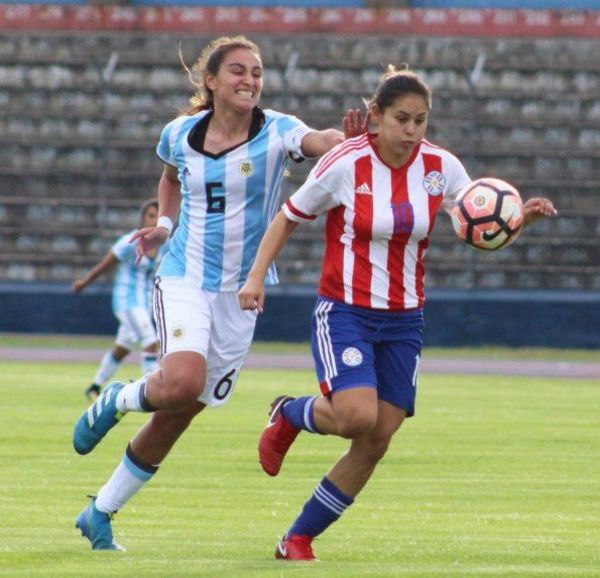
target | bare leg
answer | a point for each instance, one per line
(152, 348)
(146, 451)
(119, 352)
(178, 382)
(353, 469)
(336, 492)
(156, 438)
(349, 414)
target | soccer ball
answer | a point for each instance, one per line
(488, 214)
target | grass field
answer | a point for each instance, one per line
(496, 476)
(493, 352)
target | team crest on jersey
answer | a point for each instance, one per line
(178, 332)
(434, 183)
(352, 356)
(246, 169)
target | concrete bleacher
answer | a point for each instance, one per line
(77, 154)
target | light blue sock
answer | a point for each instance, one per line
(131, 475)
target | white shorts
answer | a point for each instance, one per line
(210, 323)
(135, 327)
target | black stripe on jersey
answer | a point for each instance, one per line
(197, 135)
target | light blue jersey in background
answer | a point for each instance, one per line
(133, 284)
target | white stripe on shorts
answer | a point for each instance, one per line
(324, 340)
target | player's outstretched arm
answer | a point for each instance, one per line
(252, 294)
(169, 201)
(537, 208)
(318, 142)
(107, 262)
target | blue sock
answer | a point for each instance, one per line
(299, 412)
(323, 508)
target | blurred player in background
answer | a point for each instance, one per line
(381, 192)
(224, 162)
(131, 302)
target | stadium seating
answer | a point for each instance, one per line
(222, 3)
(522, 4)
(77, 155)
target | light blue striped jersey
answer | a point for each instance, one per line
(227, 199)
(133, 284)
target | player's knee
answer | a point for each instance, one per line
(184, 388)
(356, 425)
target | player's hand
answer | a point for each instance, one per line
(252, 295)
(353, 123)
(78, 285)
(148, 239)
(536, 209)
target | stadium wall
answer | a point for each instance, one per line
(556, 319)
(282, 20)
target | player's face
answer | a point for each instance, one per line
(150, 217)
(238, 83)
(401, 126)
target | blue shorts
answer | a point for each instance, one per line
(357, 347)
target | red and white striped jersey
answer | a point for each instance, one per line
(379, 219)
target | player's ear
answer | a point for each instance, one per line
(375, 113)
(210, 81)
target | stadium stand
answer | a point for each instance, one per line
(509, 4)
(77, 152)
(211, 3)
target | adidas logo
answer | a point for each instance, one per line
(363, 190)
(95, 410)
(186, 171)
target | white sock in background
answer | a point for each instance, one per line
(108, 367)
(148, 361)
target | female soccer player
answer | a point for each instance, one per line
(224, 162)
(381, 193)
(131, 296)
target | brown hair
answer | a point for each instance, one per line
(149, 204)
(210, 61)
(397, 82)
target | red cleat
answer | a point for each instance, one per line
(277, 438)
(294, 547)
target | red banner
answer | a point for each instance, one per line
(214, 20)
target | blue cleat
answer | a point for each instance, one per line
(95, 526)
(95, 422)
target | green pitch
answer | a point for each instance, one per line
(495, 476)
(270, 347)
